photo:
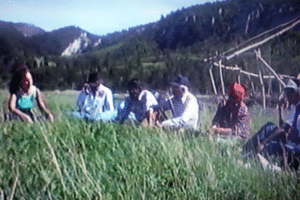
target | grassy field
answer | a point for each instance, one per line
(72, 159)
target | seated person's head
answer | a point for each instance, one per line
(292, 91)
(21, 80)
(135, 88)
(237, 93)
(94, 81)
(179, 86)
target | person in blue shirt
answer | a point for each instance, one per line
(95, 101)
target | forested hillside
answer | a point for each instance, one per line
(176, 44)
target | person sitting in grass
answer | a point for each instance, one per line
(183, 104)
(23, 95)
(95, 101)
(273, 140)
(232, 117)
(137, 105)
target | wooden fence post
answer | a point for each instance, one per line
(239, 74)
(221, 77)
(252, 84)
(261, 79)
(270, 87)
(212, 79)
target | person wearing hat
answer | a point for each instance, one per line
(183, 104)
(94, 100)
(273, 140)
(137, 106)
(232, 117)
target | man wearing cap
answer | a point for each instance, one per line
(94, 100)
(232, 117)
(183, 104)
(139, 103)
(272, 140)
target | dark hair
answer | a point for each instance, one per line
(134, 83)
(94, 78)
(19, 80)
(180, 80)
(297, 81)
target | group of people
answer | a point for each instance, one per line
(95, 102)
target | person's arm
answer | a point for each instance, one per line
(109, 104)
(221, 131)
(42, 106)
(276, 133)
(150, 104)
(123, 111)
(191, 106)
(80, 100)
(12, 107)
(190, 109)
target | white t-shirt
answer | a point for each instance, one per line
(145, 102)
(185, 110)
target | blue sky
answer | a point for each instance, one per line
(95, 16)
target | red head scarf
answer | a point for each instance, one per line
(237, 91)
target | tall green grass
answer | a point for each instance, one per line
(74, 159)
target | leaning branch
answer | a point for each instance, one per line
(249, 73)
(262, 42)
(269, 68)
(261, 35)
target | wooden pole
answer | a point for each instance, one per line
(252, 84)
(262, 89)
(221, 77)
(247, 24)
(260, 35)
(270, 87)
(239, 74)
(212, 80)
(249, 73)
(280, 88)
(263, 92)
(269, 68)
(263, 41)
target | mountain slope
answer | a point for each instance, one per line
(176, 44)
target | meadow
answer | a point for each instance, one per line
(75, 159)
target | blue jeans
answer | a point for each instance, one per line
(103, 117)
(272, 147)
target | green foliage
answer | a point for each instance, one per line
(157, 52)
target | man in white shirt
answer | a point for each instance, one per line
(137, 105)
(183, 104)
(95, 101)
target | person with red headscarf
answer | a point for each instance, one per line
(232, 117)
(23, 95)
